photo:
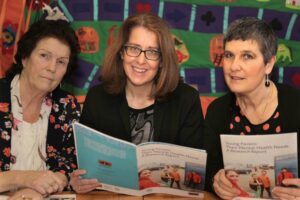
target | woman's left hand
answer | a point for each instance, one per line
(82, 185)
(288, 192)
(26, 194)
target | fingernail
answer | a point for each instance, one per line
(284, 181)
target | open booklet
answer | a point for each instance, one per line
(255, 164)
(152, 167)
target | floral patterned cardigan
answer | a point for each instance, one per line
(61, 154)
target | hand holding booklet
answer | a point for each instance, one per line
(153, 167)
(255, 164)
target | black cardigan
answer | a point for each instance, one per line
(178, 120)
(218, 117)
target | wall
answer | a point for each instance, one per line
(197, 26)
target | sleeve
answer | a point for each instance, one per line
(191, 131)
(88, 110)
(212, 145)
(67, 161)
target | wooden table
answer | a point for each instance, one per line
(95, 195)
(114, 196)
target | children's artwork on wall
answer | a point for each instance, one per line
(197, 27)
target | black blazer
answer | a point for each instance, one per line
(178, 120)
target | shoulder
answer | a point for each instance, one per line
(98, 93)
(220, 109)
(184, 95)
(288, 100)
(221, 103)
(66, 99)
(5, 89)
(4, 82)
(96, 89)
(97, 97)
(59, 93)
(185, 91)
(64, 104)
(286, 91)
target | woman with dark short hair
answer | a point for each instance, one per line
(254, 105)
(37, 150)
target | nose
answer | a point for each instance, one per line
(52, 65)
(142, 58)
(235, 64)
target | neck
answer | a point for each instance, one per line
(259, 105)
(256, 98)
(31, 100)
(139, 97)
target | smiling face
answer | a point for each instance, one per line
(47, 64)
(139, 70)
(244, 68)
(145, 173)
(232, 175)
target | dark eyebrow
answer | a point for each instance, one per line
(139, 46)
(227, 51)
(248, 51)
(62, 57)
(131, 44)
(243, 51)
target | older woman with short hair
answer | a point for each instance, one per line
(255, 104)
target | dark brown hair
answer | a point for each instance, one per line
(58, 29)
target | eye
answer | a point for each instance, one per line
(62, 62)
(247, 56)
(153, 52)
(228, 55)
(44, 55)
(133, 49)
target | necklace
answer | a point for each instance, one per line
(260, 116)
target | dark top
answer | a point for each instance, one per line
(239, 123)
(60, 139)
(141, 124)
(178, 120)
(220, 114)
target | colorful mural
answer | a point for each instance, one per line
(197, 27)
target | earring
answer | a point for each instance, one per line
(267, 81)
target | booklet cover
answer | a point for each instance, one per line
(255, 164)
(152, 167)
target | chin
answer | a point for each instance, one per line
(236, 89)
(46, 89)
(139, 83)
